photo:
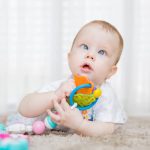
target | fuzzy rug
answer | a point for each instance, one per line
(135, 135)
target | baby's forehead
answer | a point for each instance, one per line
(96, 32)
(90, 28)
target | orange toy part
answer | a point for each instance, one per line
(83, 80)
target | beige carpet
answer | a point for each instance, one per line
(135, 135)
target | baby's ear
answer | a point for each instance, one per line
(68, 56)
(69, 53)
(112, 71)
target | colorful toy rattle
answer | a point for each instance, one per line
(84, 96)
(12, 141)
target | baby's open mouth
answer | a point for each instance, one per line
(86, 67)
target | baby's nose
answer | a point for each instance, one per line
(90, 57)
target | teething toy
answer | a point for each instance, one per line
(84, 96)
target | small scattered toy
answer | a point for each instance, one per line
(13, 142)
(2, 127)
(38, 127)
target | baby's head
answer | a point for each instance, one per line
(96, 51)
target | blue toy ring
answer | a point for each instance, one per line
(74, 92)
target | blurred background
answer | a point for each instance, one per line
(36, 35)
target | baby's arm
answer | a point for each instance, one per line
(73, 119)
(95, 128)
(36, 104)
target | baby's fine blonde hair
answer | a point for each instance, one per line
(108, 28)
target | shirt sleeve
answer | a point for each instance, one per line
(108, 109)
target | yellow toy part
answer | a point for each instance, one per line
(97, 93)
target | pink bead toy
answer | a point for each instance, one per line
(38, 127)
(4, 135)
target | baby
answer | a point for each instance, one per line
(95, 53)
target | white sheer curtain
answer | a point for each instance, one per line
(30, 47)
(35, 36)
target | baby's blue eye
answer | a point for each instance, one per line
(101, 52)
(84, 46)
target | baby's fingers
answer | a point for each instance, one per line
(54, 117)
(67, 93)
(58, 107)
(68, 90)
(65, 105)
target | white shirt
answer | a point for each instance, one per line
(107, 108)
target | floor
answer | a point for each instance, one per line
(135, 135)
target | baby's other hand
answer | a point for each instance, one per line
(65, 89)
(66, 116)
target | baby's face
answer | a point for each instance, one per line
(94, 54)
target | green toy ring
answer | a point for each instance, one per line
(74, 92)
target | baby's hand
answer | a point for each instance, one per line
(54, 97)
(65, 89)
(66, 116)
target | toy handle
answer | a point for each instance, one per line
(49, 123)
(74, 92)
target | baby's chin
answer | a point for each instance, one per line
(86, 75)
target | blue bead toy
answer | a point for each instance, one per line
(9, 142)
(2, 127)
